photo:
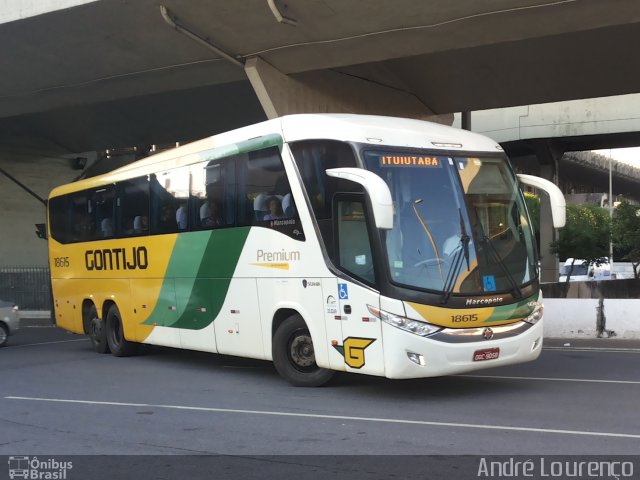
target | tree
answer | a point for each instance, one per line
(626, 233)
(586, 235)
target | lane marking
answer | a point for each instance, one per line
(46, 343)
(335, 417)
(594, 349)
(552, 379)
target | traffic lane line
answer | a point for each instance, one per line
(335, 417)
(552, 379)
(44, 343)
(593, 349)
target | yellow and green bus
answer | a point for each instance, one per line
(374, 245)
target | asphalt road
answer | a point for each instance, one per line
(58, 397)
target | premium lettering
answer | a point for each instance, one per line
(281, 256)
(117, 259)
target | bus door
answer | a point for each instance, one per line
(361, 342)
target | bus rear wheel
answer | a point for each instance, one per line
(115, 335)
(96, 331)
(294, 357)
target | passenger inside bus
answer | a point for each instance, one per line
(274, 206)
(181, 218)
(211, 214)
(106, 227)
(140, 224)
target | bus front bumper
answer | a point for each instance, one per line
(410, 356)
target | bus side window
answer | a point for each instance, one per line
(101, 208)
(169, 198)
(354, 244)
(132, 207)
(212, 198)
(261, 180)
(313, 158)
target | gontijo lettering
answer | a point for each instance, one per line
(116, 259)
(408, 161)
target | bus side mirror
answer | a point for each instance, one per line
(558, 204)
(41, 231)
(376, 189)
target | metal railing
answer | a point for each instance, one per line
(27, 287)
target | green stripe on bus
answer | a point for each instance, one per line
(198, 278)
(513, 311)
(258, 143)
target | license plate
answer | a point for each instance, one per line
(486, 354)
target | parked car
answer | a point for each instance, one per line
(9, 321)
(584, 271)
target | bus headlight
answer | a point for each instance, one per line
(403, 323)
(535, 316)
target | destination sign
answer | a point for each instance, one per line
(410, 161)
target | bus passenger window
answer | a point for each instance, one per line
(212, 196)
(101, 207)
(354, 246)
(132, 214)
(169, 198)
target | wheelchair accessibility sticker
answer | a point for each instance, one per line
(343, 292)
(489, 282)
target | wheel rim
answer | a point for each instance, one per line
(3, 336)
(96, 330)
(301, 353)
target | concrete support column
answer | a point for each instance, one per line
(548, 158)
(329, 91)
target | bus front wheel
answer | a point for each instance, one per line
(96, 331)
(294, 357)
(115, 335)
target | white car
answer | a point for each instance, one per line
(584, 271)
(9, 321)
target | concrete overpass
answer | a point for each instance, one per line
(536, 137)
(115, 73)
(84, 75)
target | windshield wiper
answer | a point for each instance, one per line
(496, 257)
(463, 248)
(464, 239)
(452, 274)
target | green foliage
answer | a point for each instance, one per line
(626, 233)
(586, 234)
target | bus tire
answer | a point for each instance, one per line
(96, 331)
(115, 335)
(293, 355)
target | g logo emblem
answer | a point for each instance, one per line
(353, 350)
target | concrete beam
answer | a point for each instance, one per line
(12, 10)
(327, 91)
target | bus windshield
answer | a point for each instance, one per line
(460, 225)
